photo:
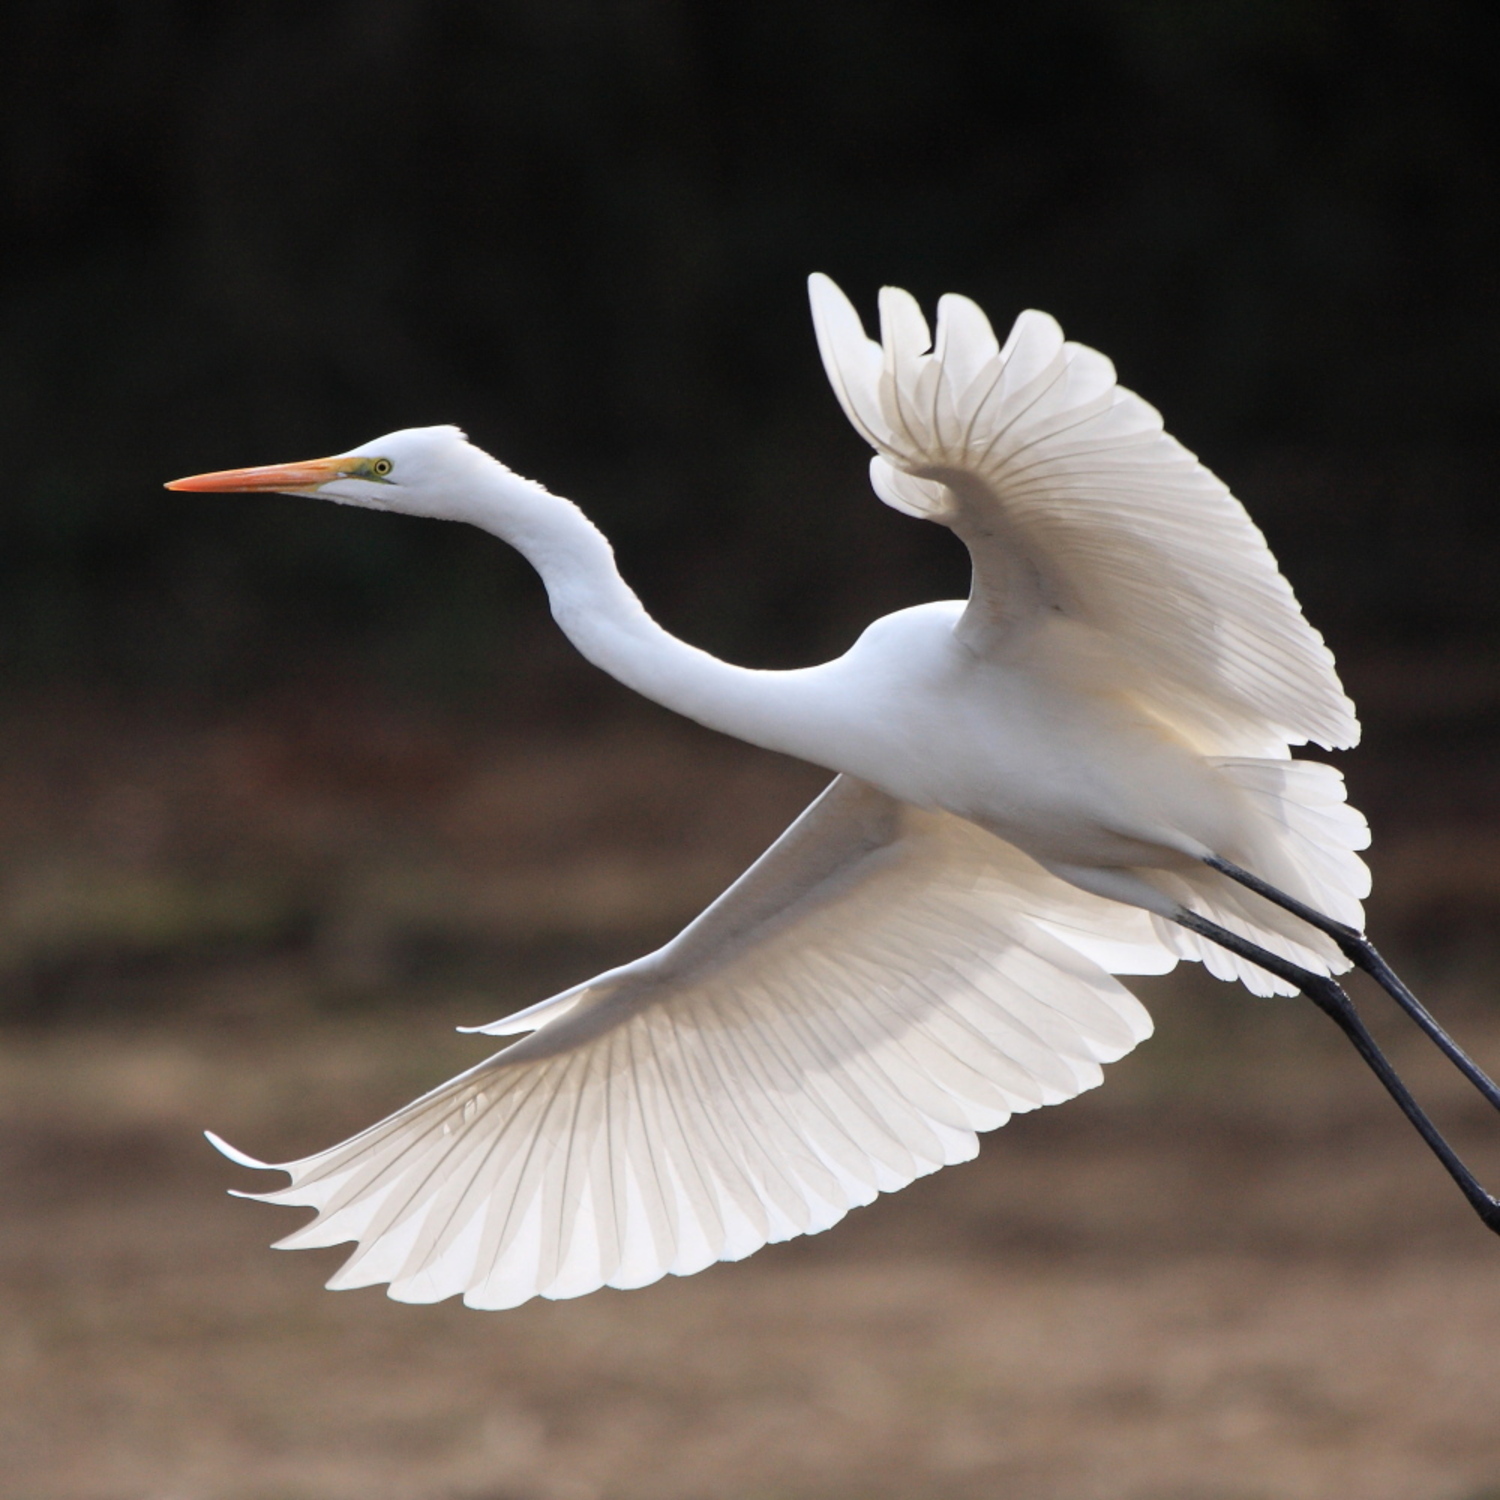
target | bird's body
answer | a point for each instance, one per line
(1037, 744)
(1063, 778)
(1070, 771)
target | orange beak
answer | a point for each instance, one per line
(287, 479)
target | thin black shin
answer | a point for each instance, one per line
(1328, 995)
(1361, 952)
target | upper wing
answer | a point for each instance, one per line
(880, 985)
(1069, 495)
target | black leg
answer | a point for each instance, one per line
(1360, 951)
(1328, 995)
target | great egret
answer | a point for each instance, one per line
(1083, 771)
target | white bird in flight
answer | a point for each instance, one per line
(1082, 771)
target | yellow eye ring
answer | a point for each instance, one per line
(381, 466)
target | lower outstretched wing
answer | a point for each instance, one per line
(880, 985)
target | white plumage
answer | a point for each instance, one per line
(1070, 496)
(1027, 788)
(881, 985)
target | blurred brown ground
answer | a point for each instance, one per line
(1230, 1274)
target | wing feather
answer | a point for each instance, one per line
(1070, 496)
(881, 985)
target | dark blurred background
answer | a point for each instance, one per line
(236, 233)
(285, 788)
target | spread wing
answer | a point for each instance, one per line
(880, 985)
(1071, 497)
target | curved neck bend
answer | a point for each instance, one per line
(601, 615)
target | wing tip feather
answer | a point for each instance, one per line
(240, 1158)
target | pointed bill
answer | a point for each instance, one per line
(304, 478)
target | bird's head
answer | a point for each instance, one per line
(418, 471)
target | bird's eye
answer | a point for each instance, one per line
(381, 466)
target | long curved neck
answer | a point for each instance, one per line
(601, 615)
